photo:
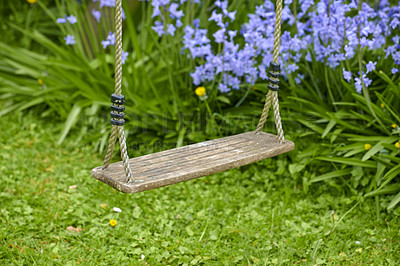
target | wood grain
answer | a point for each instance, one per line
(192, 161)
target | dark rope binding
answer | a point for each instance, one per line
(274, 73)
(117, 110)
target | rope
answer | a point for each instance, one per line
(272, 95)
(118, 130)
(110, 149)
(265, 111)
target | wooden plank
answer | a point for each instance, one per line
(192, 161)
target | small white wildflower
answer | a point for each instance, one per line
(116, 209)
(142, 257)
(358, 243)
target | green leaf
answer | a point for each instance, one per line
(392, 158)
(189, 231)
(328, 128)
(296, 167)
(71, 121)
(330, 175)
(393, 86)
(389, 189)
(311, 125)
(223, 99)
(348, 161)
(375, 149)
(355, 151)
(369, 139)
(383, 161)
(394, 202)
(390, 175)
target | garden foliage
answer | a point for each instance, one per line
(340, 87)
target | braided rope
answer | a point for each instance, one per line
(277, 33)
(273, 95)
(110, 149)
(118, 130)
(277, 116)
(124, 154)
(265, 111)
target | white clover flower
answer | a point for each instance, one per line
(116, 209)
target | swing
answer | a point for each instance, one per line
(196, 160)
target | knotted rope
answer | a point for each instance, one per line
(118, 130)
(272, 96)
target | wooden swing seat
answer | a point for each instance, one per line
(192, 161)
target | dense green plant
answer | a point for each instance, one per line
(27, 16)
(363, 154)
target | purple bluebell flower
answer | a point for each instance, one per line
(308, 56)
(347, 75)
(171, 29)
(96, 14)
(158, 28)
(165, 8)
(217, 17)
(395, 70)
(108, 3)
(196, 23)
(61, 20)
(110, 40)
(124, 56)
(299, 78)
(290, 68)
(358, 83)
(370, 66)
(223, 87)
(70, 40)
(219, 36)
(72, 19)
(232, 15)
(394, 23)
(263, 72)
(174, 12)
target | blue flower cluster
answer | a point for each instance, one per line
(110, 40)
(69, 39)
(327, 31)
(168, 16)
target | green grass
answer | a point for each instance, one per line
(256, 214)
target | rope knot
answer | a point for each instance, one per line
(117, 110)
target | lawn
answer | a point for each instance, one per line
(256, 214)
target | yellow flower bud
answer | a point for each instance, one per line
(113, 223)
(200, 91)
(397, 145)
(367, 146)
(382, 105)
(394, 125)
(40, 81)
(31, 1)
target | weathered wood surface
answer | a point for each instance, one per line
(192, 161)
